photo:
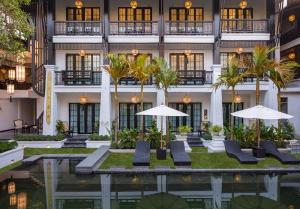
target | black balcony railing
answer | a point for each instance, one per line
(78, 28)
(78, 78)
(17, 85)
(244, 26)
(188, 27)
(134, 82)
(248, 79)
(195, 77)
(133, 28)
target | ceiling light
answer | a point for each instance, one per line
(135, 99)
(83, 100)
(188, 52)
(133, 4)
(237, 99)
(188, 4)
(243, 4)
(186, 99)
(135, 52)
(291, 55)
(239, 50)
(82, 53)
(292, 18)
(78, 4)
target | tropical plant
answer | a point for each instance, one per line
(153, 135)
(141, 70)
(118, 68)
(230, 77)
(14, 26)
(165, 77)
(183, 130)
(128, 138)
(216, 129)
(60, 128)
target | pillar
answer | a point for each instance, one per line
(105, 105)
(105, 190)
(161, 183)
(216, 185)
(50, 102)
(161, 99)
(270, 101)
(271, 184)
(216, 111)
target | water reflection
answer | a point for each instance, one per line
(53, 184)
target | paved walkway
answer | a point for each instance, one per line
(7, 135)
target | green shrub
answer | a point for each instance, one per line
(97, 137)
(34, 137)
(153, 135)
(206, 135)
(6, 146)
(127, 138)
(216, 129)
(184, 130)
(60, 128)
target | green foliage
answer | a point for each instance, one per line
(127, 138)
(205, 125)
(96, 127)
(184, 130)
(97, 137)
(154, 135)
(10, 39)
(206, 135)
(216, 129)
(6, 146)
(60, 128)
(34, 137)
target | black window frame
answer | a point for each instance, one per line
(82, 61)
(186, 62)
(226, 114)
(186, 13)
(83, 13)
(134, 13)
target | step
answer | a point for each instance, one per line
(74, 142)
(74, 146)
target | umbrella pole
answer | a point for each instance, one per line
(161, 132)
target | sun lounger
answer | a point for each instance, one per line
(233, 149)
(142, 154)
(177, 151)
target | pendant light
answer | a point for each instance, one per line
(78, 4)
(291, 55)
(188, 4)
(239, 50)
(13, 200)
(11, 74)
(20, 73)
(11, 187)
(10, 88)
(186, 99)
(133, 4)
(243, 4)
(82, 53)
(135, 99)
(134, 52)
(237, 99)
(188, 52)
(292, 18)
(83, 100)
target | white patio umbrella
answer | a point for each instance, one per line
(261, 112)
(162, 111)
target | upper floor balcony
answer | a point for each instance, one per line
(189, 32)
(195, 77)
(78, 77)
(248, 79)
(245, 29)
(133, 32)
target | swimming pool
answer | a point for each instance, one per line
(53, 184)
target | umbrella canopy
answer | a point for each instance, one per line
(261, 112)
(255, 202)
(162, 201)
(162, 110)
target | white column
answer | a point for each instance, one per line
(216, 110)
(105, 105)
(271, 184)
(161, 183)
(50, 175)
(159, 101)
(50, 102)
(216, 185)
(105, 190)
(270, 100)
(19, 109)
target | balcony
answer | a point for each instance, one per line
(127, 32)
(78, 32)
(238, 29)
(131, 81)
(248, 79)
(78, 78)
(195, 77)
(18, 86)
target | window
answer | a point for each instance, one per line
(183, 14)
(226, 56)
(89, 62)
(83, 14)
(129, 119)
(187, 66)
(230, 17)
(194, 110)
(284, 104)
(227, 115)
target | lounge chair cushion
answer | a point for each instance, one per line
(142, 154)
(180, 157)
(233, 149)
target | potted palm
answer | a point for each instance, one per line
(183, 132)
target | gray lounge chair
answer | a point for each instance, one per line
(142, 154)
(233, 149)
(177, 151)
(271, 150)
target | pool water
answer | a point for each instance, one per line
(53, 184)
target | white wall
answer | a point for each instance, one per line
(8, 113)
(294, 109)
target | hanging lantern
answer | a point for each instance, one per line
(291, 55)
(237, 178)
(243, 4)
(186, 99)
(135, 180)
(11, 187)
(239, 50)
(11, 74)
(135, 99)
(78, 4)
(135, 52)
(237, 99)
(188, 4)
(83, 100)
(22, 201)
(133, 4)
(10, 88)
(291, 207)
(188, 52)
(82, 53)
(20, 73)
(292, 18)
(13, 200)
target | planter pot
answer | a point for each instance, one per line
(161, 154)
(41, 144)
(181, 137)
(96, 144)
(258, 152)
(11, 156)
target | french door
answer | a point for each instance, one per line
(227, 114)
(84, 117)
(237, 20)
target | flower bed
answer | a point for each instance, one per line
(40, 141)
(9, 153)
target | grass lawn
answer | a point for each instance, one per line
(10, 167)
(199, 149)
(200, 160)
(39, 151)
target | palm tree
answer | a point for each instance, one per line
(230, 78)
(142, 71)
(165, 77)
(117, 69)
(259, 66)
